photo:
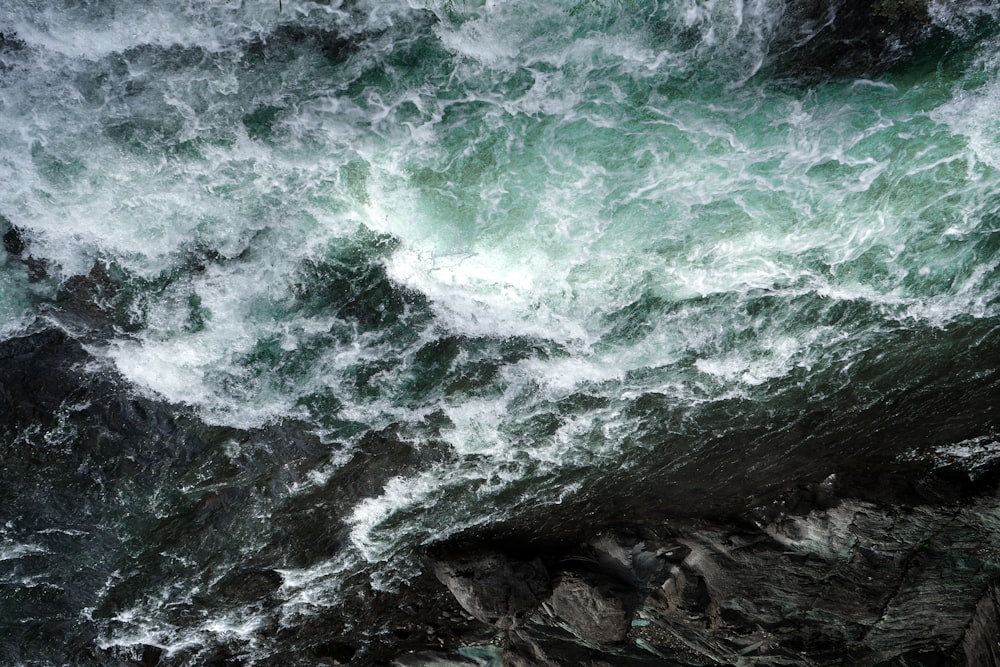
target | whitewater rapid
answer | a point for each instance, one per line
(555, 242)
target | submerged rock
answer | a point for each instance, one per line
(850, 38)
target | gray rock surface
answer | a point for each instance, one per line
(594, 607)
(981, 642)
(494, 588)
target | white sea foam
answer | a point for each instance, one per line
(418, 494)
(12, 551)
(974, 114)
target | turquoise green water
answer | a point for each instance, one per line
(564, 244)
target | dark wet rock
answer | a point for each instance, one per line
(980, 647)
(13, 242)
(83, 455)
(404, 626)
(38, 373)
(221, 657)
(495, 589)
(10, 41)
(9, 44)
(109, 300)
(150, 655)
(136, 655)
(16, 245)
(382, 454)
(595, 608)
(875, 582)
(437, 658)
(881, 447)
(892, 564)
(90, 302)
(335, 652)
(312, 522)
(146, 656)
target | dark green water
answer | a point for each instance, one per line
(582, 254)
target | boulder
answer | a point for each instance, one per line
(493, 588)
(594, 607)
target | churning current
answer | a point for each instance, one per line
(564, 252)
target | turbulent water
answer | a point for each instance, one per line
(572, 252)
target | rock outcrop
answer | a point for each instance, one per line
(593, 606)
(806, 580)
(493, 588)
(981, 642)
